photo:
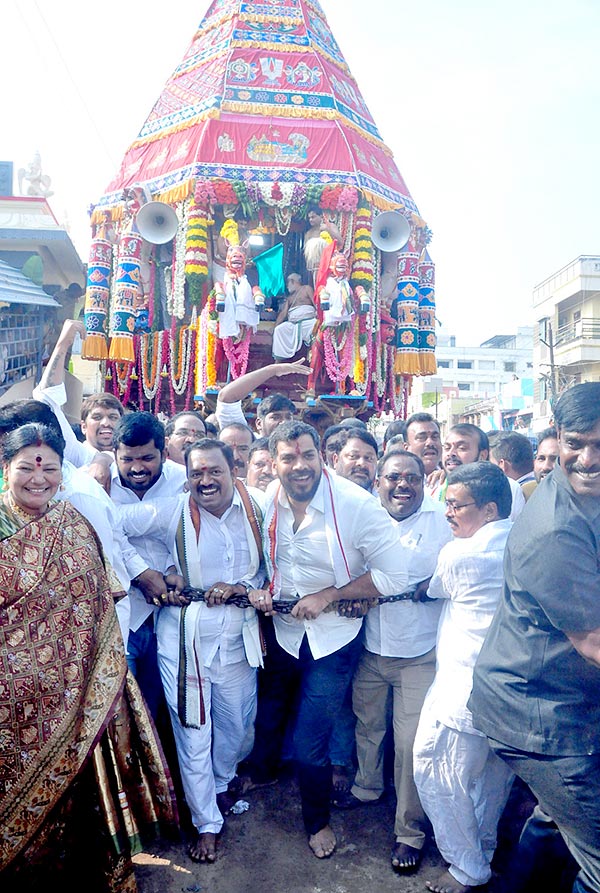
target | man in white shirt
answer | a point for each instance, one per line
(462, 784)
(208, 651)
(357, 458)
(325, 540)
(139, 472)
(398, 657)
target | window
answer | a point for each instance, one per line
(487, 387)
(465, 364)
(464, 386)
(543, 328)
(488, 365)
(510, 367)
(444, 364)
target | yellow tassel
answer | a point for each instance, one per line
(427, 364)
(121, 349)
(94, 348)
(406, 363)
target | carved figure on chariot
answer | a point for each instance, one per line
(338, 305)
(237, 302)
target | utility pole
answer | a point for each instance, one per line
(554, 370)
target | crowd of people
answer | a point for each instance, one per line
(189, 609)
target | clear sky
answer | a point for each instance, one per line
(490, 109)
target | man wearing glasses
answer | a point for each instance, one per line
(181, 430)
(399, 657)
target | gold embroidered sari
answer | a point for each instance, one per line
(82, 776)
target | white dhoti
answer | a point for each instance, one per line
(288, 336)
(463, 787)
(208, 756)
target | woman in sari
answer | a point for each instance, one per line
(82, 777)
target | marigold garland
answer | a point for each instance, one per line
(206, 369)
(196, 253)
(362, 262)
(230, 231)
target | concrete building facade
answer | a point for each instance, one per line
(567, 333)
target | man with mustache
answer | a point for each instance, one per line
(208, 651)
(397, 662)
(357, 458)
(536, 687)
(260, 466)
(466, 443)
(546, 453)
(239, 437)
(422, 437)
(325, 540)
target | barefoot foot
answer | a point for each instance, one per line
(204, 848)
(446, 883)
(323, 843)
(405, 858)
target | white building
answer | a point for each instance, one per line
(478, 372)
(567, 336)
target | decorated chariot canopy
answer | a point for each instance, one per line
(260, 141)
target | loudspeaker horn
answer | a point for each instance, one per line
(390, 231)
(156, 222)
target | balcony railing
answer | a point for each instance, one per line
(587, 329)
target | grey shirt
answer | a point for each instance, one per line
(532, 690)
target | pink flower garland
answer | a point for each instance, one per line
(338, 361)
(237, 354)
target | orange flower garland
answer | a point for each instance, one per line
(196, 253)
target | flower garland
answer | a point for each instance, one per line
(180, 378)
(196, 253)
(283, 220)
(176, 296)
(150, 348)
(206, 370)
(224, 193)
(204, 194)
(276, 195)
(180, 359)
(244, 197)
(237, 354)
(338, 354)
(362, 255)
(230, 232)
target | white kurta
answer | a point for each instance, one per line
(208, 755)
(462, 785)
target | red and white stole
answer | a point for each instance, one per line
(339, 562)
